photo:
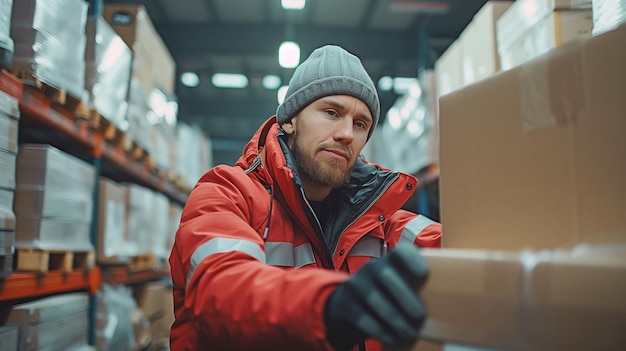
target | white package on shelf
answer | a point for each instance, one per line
(53, 199)
(108, 64)
(8, 133)
(6, 42)
(140, 217)
(7, 164)
(50, 42)
(7, 216)
(608, 15)
(137, 124)
(556, 29)
(160, 226)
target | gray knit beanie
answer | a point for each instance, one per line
(330, 70)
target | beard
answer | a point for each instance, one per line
(323, 173)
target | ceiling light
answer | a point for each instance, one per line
(289, 54)
(385, 83)
(293, 4)
(190, 79)
(229, 80)
(271, 82)
(282, 93)
(402, 84)
(420, 6)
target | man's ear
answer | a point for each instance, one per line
(289, 127)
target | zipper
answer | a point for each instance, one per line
(384, 189)
(327, 260)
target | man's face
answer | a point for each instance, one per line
(327, 137)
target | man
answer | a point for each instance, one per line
(271, 253)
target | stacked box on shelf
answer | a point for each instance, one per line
(193, 153)
(153, 71)
(160, 226)
(9, 115)
(530, 28)
(479, 55)
(53, 199)
(50, 42)
(114, 318)
(6, 42)
(114, 244)
(141, 202)
(56, 322)
(608, 15)
(155, 301)
(108, 65)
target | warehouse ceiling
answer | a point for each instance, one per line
(392, 37)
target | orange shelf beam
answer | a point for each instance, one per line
(122, 275)
(23, 285)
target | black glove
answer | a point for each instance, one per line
(379, 301)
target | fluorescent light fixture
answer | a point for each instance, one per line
(289, 54)
(385, 83)
(420, 6)
(282, 93)
(292, 4)
(402, 84)
(229, 80)
(190, 79)
(271, 82)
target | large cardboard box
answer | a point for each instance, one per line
(534, 156)
(525, 300)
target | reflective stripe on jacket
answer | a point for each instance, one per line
(250, 269)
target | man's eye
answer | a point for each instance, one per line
(360, 125)
(331, 113)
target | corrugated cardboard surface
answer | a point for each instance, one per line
(534, 157)
(526, 300)
(112, 226)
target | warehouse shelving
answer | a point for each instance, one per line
(45, 121)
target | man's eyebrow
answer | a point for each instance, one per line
(340, 106)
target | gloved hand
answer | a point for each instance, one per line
(379, 301)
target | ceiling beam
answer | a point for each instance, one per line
(262, 39)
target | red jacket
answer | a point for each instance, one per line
(250, 268)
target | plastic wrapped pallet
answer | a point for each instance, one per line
(193, 154)
(50, 42)
(9, 337)
(108, 65)
(55, 322)
(114, 323)
(53, 199)
(7, 217)
(608, 15)
(6, 42)
(7, 164)
(114, 245)
(139, 129)
(530, 28)
(140, 217)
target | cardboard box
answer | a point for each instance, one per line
(525, 300)
(534, 156)
(113, 243)
(556, 29)
(152, 62)
(480, 48)
(449, 70)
